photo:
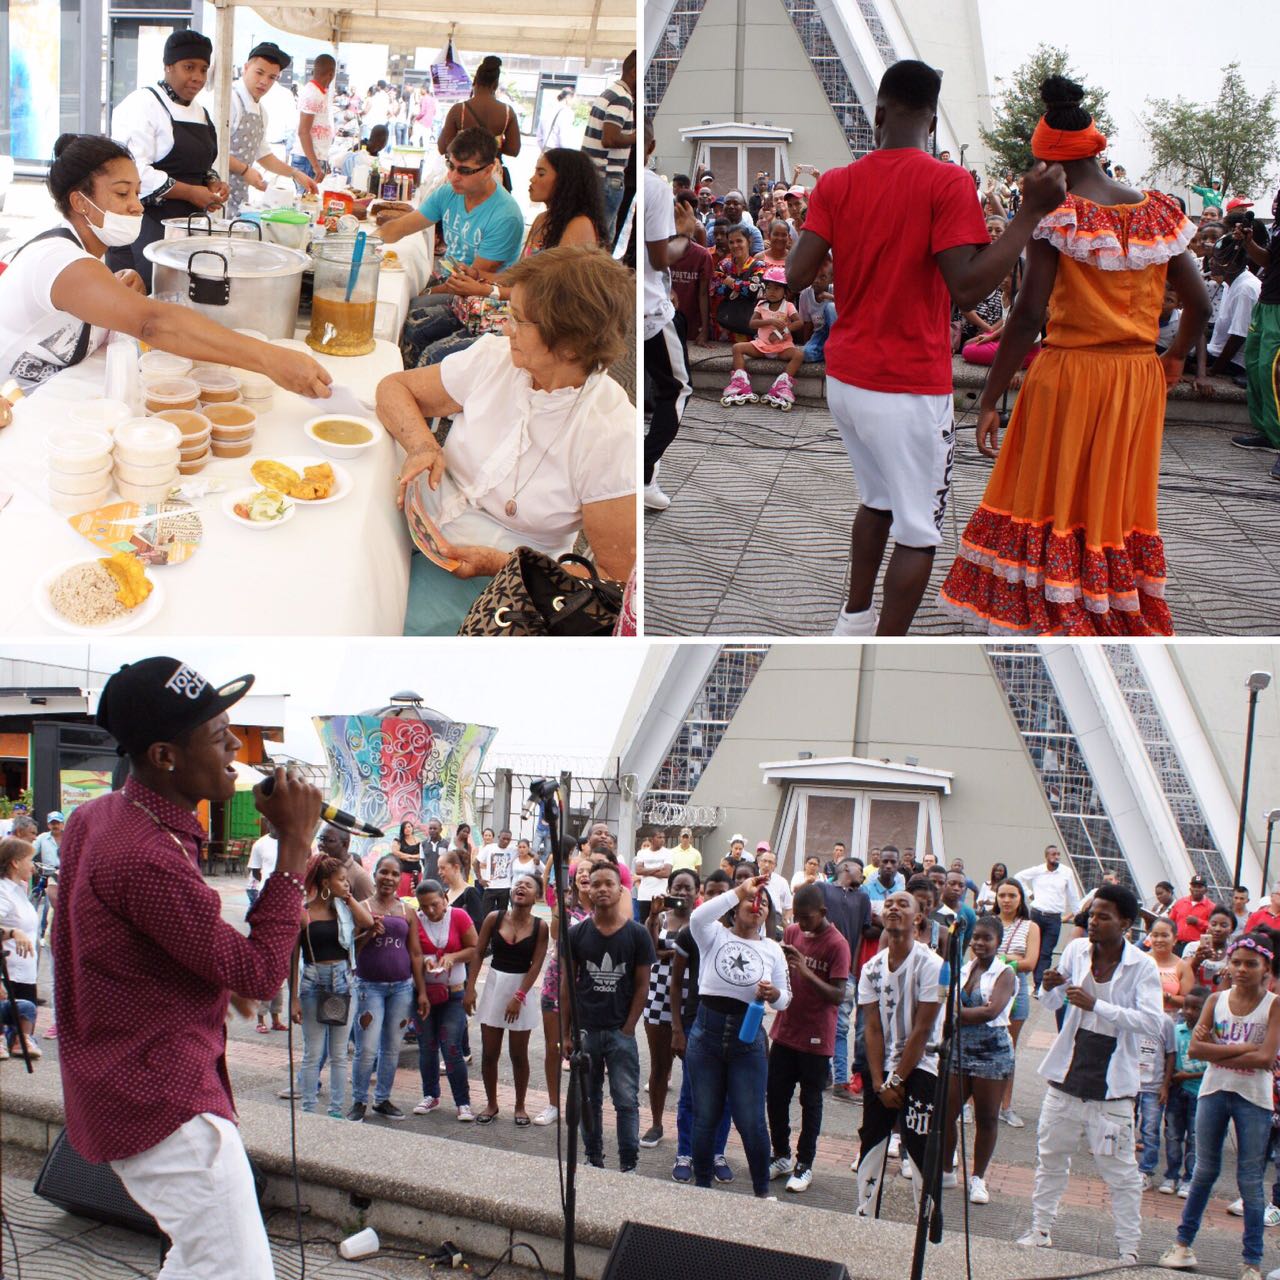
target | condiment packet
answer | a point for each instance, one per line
(342, 400)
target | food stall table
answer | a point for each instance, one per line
(341, 568)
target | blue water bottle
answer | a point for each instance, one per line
(751, 1021)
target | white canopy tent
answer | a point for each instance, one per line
(584, 29)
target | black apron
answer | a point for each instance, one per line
(195, 148)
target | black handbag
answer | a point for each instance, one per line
(534, 595)
(734, 314)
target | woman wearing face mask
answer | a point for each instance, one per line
(58, 301)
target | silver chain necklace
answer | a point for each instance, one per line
(512, 507)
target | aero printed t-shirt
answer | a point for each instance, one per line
(606, 969)
(899, 993)
(808, 1023)
(492, 230)
(886, 217)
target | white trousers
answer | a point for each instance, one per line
(198, 1186)
(1108, 1128)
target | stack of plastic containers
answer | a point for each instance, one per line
(193, 449)
(233, 429)
(79, 468)
(147, 455)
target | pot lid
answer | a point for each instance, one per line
(246, 259)
(284, 215)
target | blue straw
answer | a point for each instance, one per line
(357, 257)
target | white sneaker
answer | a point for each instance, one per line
(548, 1115)
(1236, 1208)
(1148, 1181)
(1184, 1190)
(1179, 1257)
(654, 498)
(1128, 1259)
(895, 1146)
(949, 1179)
(978, 1193)
(1012, 1118)
(1271, 1217)
(426, 1106)
(853, 1164)
(466, 1115)
(1248, 1272)
(1166, 1188)
(908, 1170)
(857, 624)
(781, 1167)
(1035, 1239)
(799, 1181)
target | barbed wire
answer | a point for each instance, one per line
(661, 813)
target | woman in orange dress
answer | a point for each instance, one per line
(1066, 540)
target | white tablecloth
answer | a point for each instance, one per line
(341, 569)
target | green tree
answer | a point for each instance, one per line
(1231, 140)
(1016, 109)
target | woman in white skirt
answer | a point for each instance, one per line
(519, 946)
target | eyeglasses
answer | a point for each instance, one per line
(465, 170)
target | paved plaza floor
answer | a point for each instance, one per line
(259, 1067)
(756, 540)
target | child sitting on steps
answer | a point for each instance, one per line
(774, 321)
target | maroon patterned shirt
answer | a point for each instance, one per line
(145, 968)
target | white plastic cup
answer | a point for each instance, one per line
(364, 1244)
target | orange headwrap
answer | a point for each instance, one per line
(1066, 144)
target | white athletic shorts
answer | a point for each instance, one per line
(902, 447)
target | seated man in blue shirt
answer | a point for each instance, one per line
(483, 228)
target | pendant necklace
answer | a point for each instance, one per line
(512, 507)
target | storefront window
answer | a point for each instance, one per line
(40, 69)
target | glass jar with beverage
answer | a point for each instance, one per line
(342, 326)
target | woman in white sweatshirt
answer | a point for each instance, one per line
(739, 964)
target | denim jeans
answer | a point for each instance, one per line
(303, 165)
(444, 1031)
(684, 1119)
(619, 1055)
(613, 188)
(840, 1063)
(426, 325)
(389, 1005)
(1050, 928)
(817, 344)
(319, 1038)
(721, 1066)
(1150, 1113)
(449, 346)
(1214, 1112)
(1180, 1135)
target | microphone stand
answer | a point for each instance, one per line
(11, 1016)
(929, 1213)
(574, 1109)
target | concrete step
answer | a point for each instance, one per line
(711, 367)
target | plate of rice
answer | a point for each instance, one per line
(81, 597)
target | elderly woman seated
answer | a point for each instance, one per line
(543, 441)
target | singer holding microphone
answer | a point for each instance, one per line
(137, 927)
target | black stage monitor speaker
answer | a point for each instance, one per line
(93, 1191)
(641, 1252)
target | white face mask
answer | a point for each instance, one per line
(118, 229)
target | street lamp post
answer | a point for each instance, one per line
(1257, 682)
(1273, 816)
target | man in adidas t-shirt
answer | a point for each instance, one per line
(898, 993)
(611, 980)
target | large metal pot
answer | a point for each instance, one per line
(237, 282)
(201, 224)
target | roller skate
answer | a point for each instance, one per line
(782, 395)
(739, 390)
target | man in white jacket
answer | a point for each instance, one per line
(1113, 997)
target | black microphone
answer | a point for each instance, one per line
(330, 813)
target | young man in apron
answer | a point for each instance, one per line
(175, 145)
(248, 148)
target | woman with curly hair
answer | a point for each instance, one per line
(568, 184)
(738, 286)
(1066, 539)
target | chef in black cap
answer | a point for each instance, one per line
(147, 965)
(249, 152)
(174, 143)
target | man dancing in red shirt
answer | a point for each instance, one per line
(147, 966)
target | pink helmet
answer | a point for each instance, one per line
(776, 275)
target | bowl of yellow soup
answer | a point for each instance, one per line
(342, 435)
